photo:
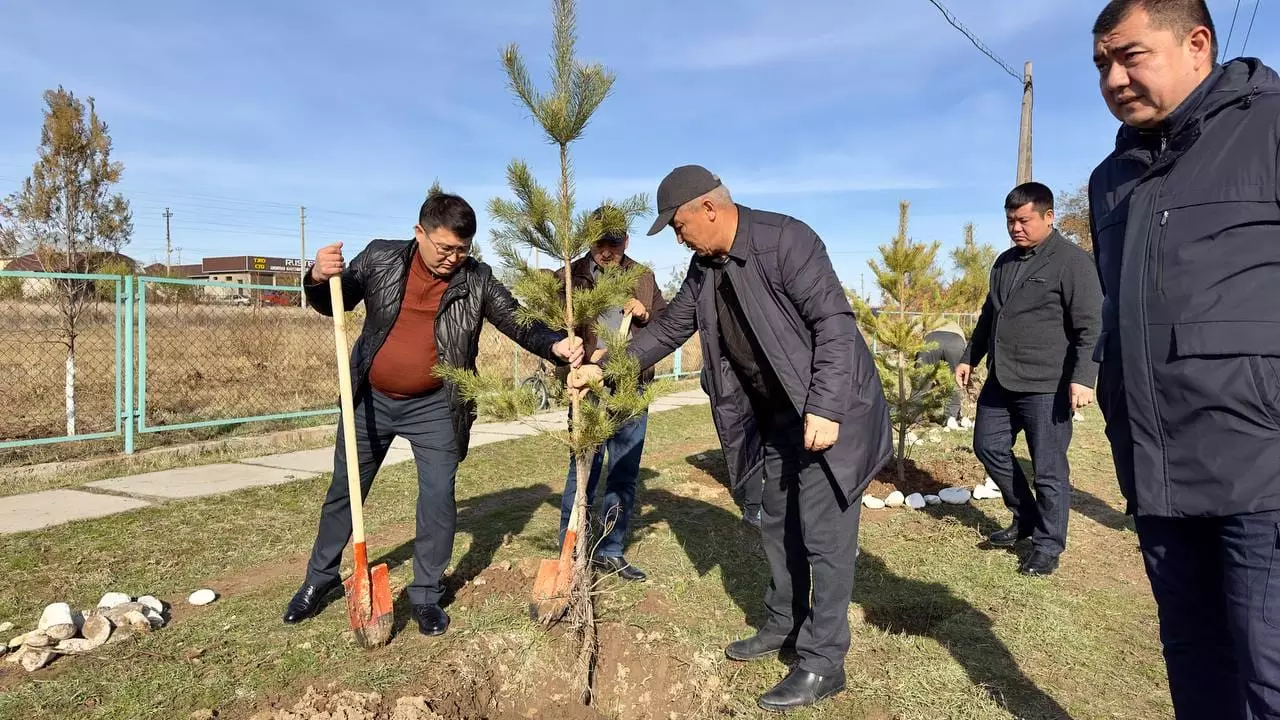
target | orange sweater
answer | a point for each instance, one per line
(402, 368)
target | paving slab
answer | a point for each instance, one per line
(315, 461)
(200, 480)
(33, 511)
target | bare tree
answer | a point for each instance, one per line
(1073, 216)
(67, 213)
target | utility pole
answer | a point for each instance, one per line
(168, 244)
(302, 237)
(1024, 131)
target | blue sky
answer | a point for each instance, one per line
(234, 113)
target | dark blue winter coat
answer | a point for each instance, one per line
(1186, 227)
(799, 313)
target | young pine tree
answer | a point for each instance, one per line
(911, 293)
(967, 292)
(549, 222)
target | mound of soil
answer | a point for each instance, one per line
(926, 477)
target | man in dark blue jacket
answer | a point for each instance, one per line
(795, 394)
(1186, 227)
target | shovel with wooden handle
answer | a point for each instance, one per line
(368, 592)
(551, 587)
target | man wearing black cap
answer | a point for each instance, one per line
(795, 393)
(626, 446)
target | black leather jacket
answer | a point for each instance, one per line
(377, 276)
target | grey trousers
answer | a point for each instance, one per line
(428, 426)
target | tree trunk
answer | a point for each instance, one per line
(902, 424)
(70, 385)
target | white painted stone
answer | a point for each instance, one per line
(991, 483)
(202, 597)
(55, 614)
(154, 618)
(915, 501)
(113, 599)
(152, 602)
(895, 499)
(932, 500)
(982, 492)
(6, 626)
(872, 502)
(955, 496)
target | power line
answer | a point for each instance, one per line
(1231, 32)
(1250, 30)
(976, 42)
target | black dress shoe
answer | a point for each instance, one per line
(1039, 564)
(1007, 537)
(618, 564)
(800, 688)
(306, 601)
(754, 648)
(432, 619)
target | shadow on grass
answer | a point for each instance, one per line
(713, 536)
(1088, 504)
(924, 609)
(487, 519)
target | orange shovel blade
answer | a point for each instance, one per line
(369, 608)
(551, 587)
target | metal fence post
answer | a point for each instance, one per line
(677, 363)
(129, 369)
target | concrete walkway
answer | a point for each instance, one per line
(33, 511)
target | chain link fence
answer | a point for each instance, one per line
(206, 355)
(166, 354)
(59, 357)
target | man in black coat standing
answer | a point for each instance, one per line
(1186, 224)
(794, 391)
(1038, 329)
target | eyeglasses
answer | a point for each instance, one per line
(458, 252)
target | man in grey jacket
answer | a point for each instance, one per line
(794, 390)
(1038, 328)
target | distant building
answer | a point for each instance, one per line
(252, 270)
(84, 262)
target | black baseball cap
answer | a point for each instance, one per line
(681, 185)
(610, 238)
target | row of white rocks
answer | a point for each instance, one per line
(63, 631)
(949, 496)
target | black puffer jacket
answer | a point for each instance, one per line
(377, 276)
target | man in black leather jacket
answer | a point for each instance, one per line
(425, 300)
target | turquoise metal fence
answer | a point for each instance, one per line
(218, 353)
(63, 357)
(157, 354)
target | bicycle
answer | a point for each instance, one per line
(542, 383)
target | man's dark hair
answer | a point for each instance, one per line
(1039, 195)
(443, 210)
(1178, 16)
